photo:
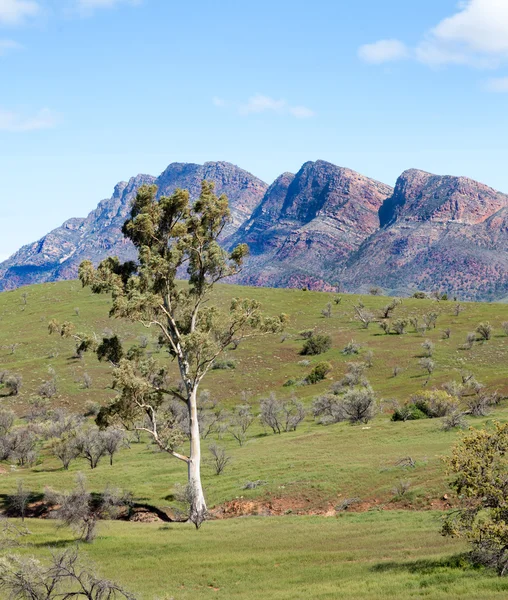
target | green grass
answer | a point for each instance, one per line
(375, 554)
(370, 556)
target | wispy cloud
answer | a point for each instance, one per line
(383, 51)
(15, 12)
(261, 104)
(476, 35)
(16, 122)
(219, 102)
(7, 46)
(87, 7)
(498, 85)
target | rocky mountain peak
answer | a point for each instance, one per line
(421, 196)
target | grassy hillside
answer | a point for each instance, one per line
(391, 548)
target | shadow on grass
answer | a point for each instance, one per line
(58, 543)
(426, 566)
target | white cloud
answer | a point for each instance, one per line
(498, 85)
(86, 7)
(14, 12)
(17, 123)
(8, 45)
(219, 102)
(476, 35)
(383, 51)
(259, 104)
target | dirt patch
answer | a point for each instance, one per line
(276, 507)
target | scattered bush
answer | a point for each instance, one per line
(351, 348)
(484, 330)
(319, 372)
(281, 416)
(224, 364)
(317, 344)
(453, 420)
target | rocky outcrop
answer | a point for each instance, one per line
(446, 233)
(309, 224)
(58, 254)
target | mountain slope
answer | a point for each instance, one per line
(308, 224)
(58, 254)
(449, 233)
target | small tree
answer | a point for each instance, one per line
(327, 311)
(484, 330)
(65, 448)
(427, 364)
(359, 405)
(76, 509)
(387, 311)
(219, 458)
(112, 439)
(281, 416)
(91, 445)
(428, 348)
(239, 422)
(18, 501)
(366, 317)
(399, 326)
(479, 465)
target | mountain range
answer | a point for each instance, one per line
(325, 227)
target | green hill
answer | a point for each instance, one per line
(307, 472)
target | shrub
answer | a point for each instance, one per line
(281, 416)
(504, 325)
(408, 412)
(317, 344)
(399, 326)
(434, 403)
(453, 420)
(319, 372)
(351, 348)
(420, 295)
(358, 405)
(224, 364)
(428, 348)
(12, 382)
(484, 330)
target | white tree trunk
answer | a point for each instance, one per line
(198, 505)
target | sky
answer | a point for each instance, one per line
(93, 92)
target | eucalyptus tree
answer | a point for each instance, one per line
(174, 237)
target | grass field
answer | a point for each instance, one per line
(380, 552)
(371, 556)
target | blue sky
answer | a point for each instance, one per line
(96, 91)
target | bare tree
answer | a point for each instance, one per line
(65, 448)
(112, 439)
(281, 416)
(25, 578)
(91, 444)
(18, 501)
(219, 458)
(363, 315)
(239, 422)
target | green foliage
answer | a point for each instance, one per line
(479, 466)
(317, 344)
(319, 372)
